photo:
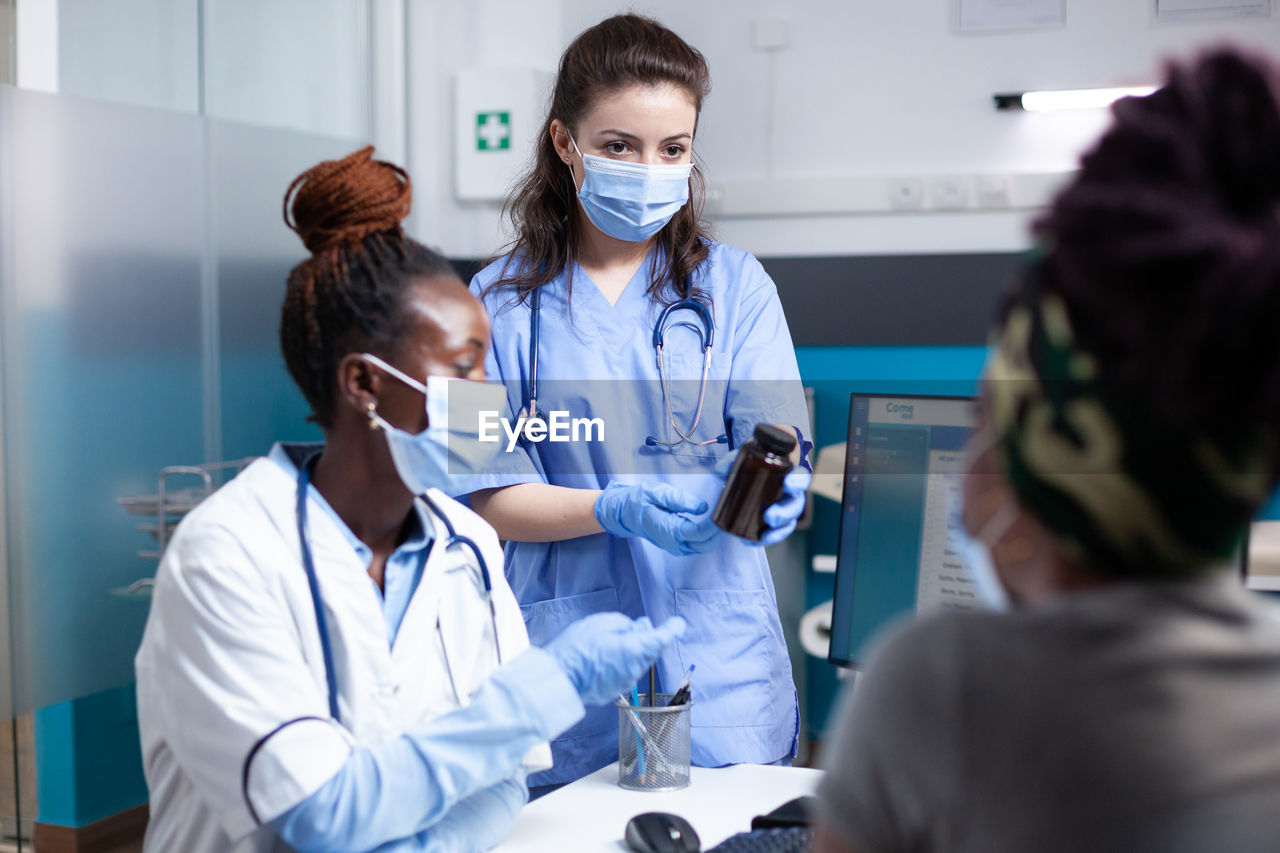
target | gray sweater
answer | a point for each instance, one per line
(1134, 717)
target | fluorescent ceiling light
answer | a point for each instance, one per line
(1068, 99)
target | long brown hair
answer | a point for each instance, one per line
(543, 207)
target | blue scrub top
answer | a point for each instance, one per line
(597, 360)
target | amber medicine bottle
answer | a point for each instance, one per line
(755, 482)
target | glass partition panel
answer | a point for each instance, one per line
(142, 52)
(7, 215)
(101, 349)
(8, 55)
(251, 167)
(299, 64)
(17, 769)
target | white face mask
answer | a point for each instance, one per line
(975, 551)
(975, 554)
(450, 446)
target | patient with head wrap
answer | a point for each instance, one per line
(1125, 692)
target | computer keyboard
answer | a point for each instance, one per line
(791, 839)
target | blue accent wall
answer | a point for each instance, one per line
(88, 759)
(834, 373)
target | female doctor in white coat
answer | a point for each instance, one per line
(333, 660)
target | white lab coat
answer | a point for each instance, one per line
(231, 652)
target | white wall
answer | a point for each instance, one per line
(866, 88)
(298, 64)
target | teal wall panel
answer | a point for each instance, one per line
(88, 761)
(55, 748)
(834, 373)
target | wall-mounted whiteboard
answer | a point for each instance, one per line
(1208, 10)
(981, 16)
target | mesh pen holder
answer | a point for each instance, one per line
(653, 744)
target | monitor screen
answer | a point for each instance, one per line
(902, 464)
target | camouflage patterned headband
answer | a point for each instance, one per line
(1122, 490)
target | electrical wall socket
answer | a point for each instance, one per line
(906, 193)
(992, 191)
(770, 34)
(949, 193)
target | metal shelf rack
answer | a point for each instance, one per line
(167, 506)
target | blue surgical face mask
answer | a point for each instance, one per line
(631, 201)
(450, 447)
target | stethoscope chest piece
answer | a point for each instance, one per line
(705, 335)
(533, 426)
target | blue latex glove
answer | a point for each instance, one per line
(668, 517)
(780, 517)
(783, 515)
(451, 785)
(605, 653)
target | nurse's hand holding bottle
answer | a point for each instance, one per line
(782, 516)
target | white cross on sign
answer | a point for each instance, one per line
(493, 131)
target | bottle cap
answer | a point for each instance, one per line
(774, 440)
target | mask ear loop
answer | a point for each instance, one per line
(396, 372)
(997, 526)
(994, 530)
(573, 178)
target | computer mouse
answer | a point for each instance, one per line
(659, 832)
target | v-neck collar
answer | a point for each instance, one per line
(629, 291)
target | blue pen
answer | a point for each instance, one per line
(635, 703)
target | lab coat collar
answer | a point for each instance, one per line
(289, 456)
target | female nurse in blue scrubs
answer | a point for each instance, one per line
(608, 237)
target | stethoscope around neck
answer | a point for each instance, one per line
(530, 417)
(322, 623)
(453, 539)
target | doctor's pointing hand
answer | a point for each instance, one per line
(334, 660)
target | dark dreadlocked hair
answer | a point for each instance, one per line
(349, 296)
(1166, 247)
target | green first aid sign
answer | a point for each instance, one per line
(493, 131)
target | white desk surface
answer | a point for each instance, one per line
(592, 813)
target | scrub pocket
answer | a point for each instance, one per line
(592, 742)
(684, 375)
(546, 619)
(730, 640)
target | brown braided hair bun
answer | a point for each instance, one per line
(350, 295)
(343, 201)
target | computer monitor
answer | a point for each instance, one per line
(902, 464)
